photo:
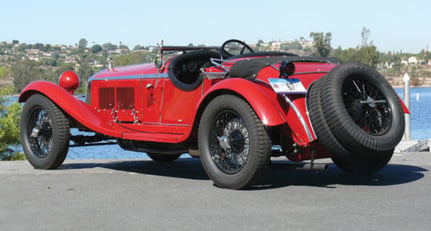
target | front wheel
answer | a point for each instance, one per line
(45, 133)
(233, 142)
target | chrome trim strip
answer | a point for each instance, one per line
(311, 72)
(306, 108)
(219, 63)
(165, 124)
(214, 75)
(127, 77)
(301, 119)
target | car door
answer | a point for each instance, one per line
(151, 98)
(179, 105)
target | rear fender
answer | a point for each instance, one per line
(405, 109)
(272, 109)
(73, 107)
(265, 106)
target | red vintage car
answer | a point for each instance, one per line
(231, 106)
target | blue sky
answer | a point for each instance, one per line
(395, 25)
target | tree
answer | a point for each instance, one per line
(259, 45)
(365, 34)
(125, 47)
(414, 76)
(3, 72)
(133, 58)
(96, 49)
(139, 47)
(322, 42)
(9, 124)
(84, 72)
(295, 45)
(365, 53)
(64, 67)
(109, 46)
(26, 71)
(82, 43)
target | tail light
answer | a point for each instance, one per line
(286, 69)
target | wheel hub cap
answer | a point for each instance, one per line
(35, 132)
(367, 106)
(40, 136)
(229, 146)
(372, 102)
(224, 142)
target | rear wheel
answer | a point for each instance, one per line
(45, 133)
(233, 142)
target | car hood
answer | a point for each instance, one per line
(124, 71)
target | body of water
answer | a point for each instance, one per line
(420, 111)
(420, 108)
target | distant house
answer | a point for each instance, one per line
(386, 65)
(413, 60)
(275, 46)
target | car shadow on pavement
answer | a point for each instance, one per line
(188, 168)
(283, 173)
(279, 174)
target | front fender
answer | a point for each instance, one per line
(75, 108)
(265, 107)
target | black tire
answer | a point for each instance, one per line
(321, 128)
(361, 108)
(360, 165)
(163, 158)
(349, 161)
(234, 145)
(45, 133)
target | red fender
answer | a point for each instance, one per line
(405, 109)
(265, 107)
(75, 108)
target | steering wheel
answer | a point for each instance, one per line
(244, 48)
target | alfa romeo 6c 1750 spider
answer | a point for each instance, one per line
(231, 106)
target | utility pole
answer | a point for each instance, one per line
(406, 80)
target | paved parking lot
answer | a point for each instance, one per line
(145, 195)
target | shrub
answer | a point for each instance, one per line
(9, 124)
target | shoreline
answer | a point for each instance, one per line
(402, 86)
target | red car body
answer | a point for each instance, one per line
(145, 109)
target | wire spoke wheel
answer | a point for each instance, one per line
(40, 132)
(229, 142)
(367, 106)
(45, 132)
(361, 109)
(234, 145)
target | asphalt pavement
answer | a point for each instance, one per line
(146, 195)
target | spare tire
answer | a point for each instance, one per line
(350, 161)
(361, 109)
(320, 127)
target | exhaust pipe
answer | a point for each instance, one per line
(314, 167)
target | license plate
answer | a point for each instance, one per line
(289, 86)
